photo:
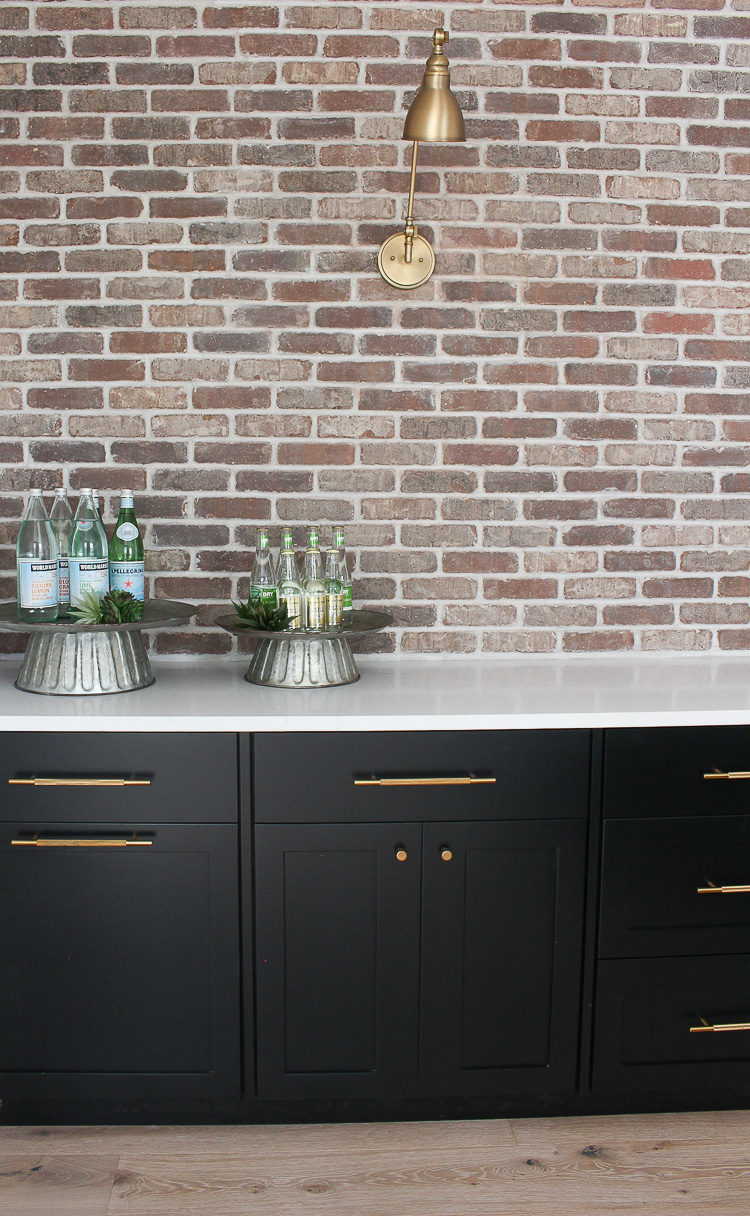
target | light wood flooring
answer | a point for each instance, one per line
(658, 1165)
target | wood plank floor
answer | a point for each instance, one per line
(659, 1165)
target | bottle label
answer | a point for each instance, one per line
(316, 610)
(37, 583)
(293, 603)
(334, 608)
(88, 574)
(265, 595)
(63, 581)
(347, 597)
(127, 531)
(128, 576)
(84, 525)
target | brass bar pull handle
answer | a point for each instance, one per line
(717, 776)
(83, 842)
(705, 1028)
(469, 779)
(739, 889)
(107, 782)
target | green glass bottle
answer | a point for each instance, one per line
(313, 586)
(126, 567)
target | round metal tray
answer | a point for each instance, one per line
(64, 658)
(294, 658)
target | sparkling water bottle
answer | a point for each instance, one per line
(61, 519)
(89, 552)
(126, 551)
(36, 563)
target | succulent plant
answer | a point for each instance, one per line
(114, 608)
(255, 615)
(120, 608)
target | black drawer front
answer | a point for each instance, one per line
(188, 778)
(645, 1009)
(667, 886)
(661, 772)
(309, 778)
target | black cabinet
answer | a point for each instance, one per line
(655, 1020)
(421, 775)
(337, 959)
(677, 771)
(411, 960)
(672, 1005)
(502, 934)
(118, 778)
(119, 959)
(675, 886)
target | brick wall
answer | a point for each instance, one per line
(545, 448)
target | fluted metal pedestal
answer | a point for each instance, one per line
(295, 659)
(64, 659)
(79, 664)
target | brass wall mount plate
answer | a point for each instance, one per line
(394, 267)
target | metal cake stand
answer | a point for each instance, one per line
(65, 659)
(296, 659)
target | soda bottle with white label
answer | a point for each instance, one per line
(88, 561)
(126, 551)
(36, 564)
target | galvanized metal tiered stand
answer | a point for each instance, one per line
(66, 659)
(295, 659)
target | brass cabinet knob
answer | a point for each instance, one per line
(446, 855)
(401, 854)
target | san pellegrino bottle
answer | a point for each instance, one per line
(61, 519)
(334, 591)
(89, 556)
(343, 571)
(126, 551)
(290, 584)
(263, 580)
(36, 563)
(313, 585)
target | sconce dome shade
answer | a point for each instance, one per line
(435, 116)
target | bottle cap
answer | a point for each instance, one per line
(36, 493)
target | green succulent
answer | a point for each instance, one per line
(120, 608)
(114, 608)
(256, 615)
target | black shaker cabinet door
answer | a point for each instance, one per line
(502, 931)
(337, 959)
(119, 963)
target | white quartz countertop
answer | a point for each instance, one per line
(528, 693)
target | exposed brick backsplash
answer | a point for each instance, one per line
(545, 448)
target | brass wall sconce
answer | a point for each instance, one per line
(406, 259)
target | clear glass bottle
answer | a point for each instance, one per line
(343, 572)
(290, 582)
(89, 551)
(36, 563)
(61, 520)
(334, 591)
(313, 584)
(126, 551)
(264, 583)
